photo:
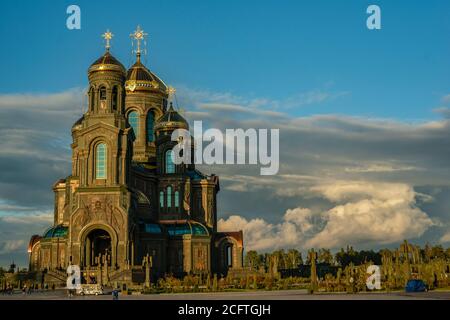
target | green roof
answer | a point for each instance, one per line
(56, 232)
(186, 228)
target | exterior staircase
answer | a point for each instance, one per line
(55, 276)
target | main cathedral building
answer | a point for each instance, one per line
(125, 199)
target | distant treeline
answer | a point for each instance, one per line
(293, 259)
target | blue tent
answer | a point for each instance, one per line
(415, 286)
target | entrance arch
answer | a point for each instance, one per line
(98, 240)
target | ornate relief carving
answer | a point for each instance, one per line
(187, 196)
(200, 258)
(99, 209)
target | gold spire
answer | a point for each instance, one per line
(107, 36)
(138, 35)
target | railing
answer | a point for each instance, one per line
(60, 275)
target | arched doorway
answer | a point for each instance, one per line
(98, 243)
(227, 250)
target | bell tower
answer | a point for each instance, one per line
(101, 157)
(145, 102)
(106, 80)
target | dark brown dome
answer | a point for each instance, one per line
(107, 63)
(171, 120)
(139, 78)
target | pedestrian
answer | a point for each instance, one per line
(115, 294)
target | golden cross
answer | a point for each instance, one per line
(107, 36)
(171, 91)
(138, 35)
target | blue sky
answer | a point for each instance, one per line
(260, 49)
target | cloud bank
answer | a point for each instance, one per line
(365, 213)
(342, 180)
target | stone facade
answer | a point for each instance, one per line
(125, 199)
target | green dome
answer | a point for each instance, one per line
(193, 228)
(56, 232)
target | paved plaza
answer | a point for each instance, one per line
(249, 295)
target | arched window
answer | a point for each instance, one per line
(170, 166)
(100, 161)
(102, 96)
(169, 196)
(102, 93)
(114, 98)
(177, 199)
(150, 124)
(133, 120)
(161, 199)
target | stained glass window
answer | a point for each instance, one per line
(170, 166)
(100, 163)
(169, 196)
(133, 120)
(161, 199)
(150, 124)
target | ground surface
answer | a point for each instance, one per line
(249, 295)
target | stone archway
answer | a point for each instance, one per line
(228, 252)
(98, 240)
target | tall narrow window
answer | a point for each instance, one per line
(102, 93)
(169, 196)
(114, 98)
(229, 254)
(170, 166)
(161, 199)
(133, 120)
(150, 124)
(177, 199)
(100, 161)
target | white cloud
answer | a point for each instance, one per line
(380, 167)
(43, 102)
(445, 238)
(10, 246)
(364, 213)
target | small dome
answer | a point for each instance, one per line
(77, 124)
(58, 231)
(107, 63)
(34, 239)
(171, 120)
(139, 78)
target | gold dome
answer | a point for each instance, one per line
(139, 78)
(107, 63)
(171, 120)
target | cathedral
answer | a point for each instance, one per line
(126, 202)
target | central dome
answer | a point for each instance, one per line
(139, 78)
